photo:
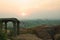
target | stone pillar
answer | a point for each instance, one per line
(14, 29)
(5, 27)
(1, 25)
(18, 31)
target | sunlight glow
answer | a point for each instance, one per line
(24, 1)
(23, 14)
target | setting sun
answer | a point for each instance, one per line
(23, 14)
(30, 9)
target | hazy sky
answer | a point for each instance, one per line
(30, 9)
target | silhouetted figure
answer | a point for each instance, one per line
(52, 33)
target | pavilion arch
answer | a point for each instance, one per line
(10, 25)
(15, 25)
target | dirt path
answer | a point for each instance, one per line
(28, 37)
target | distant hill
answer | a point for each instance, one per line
(33, 23)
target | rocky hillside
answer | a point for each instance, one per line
(41, 32)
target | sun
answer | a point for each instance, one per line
(23, 14)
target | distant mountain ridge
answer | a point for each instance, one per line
(33, 23)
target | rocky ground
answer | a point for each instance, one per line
(29, 34)
(28, 37)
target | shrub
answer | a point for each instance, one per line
(3, 36)
(58, 38)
